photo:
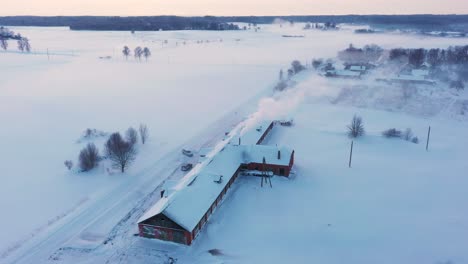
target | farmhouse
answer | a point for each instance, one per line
(358, 68)
(180, 216)
(345, 74)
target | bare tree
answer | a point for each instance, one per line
(68, 164)
(137, 53)
(120, 152)
(126, 52)
(316, 63)
(143, 133)
(89, 157)
(21, 45)
(290, 74)
(297, 66)
(3, 43)
(392, 133)
(131, 136)
(146, 53)
(407, 135)
(26, 45)
(458, 84)
(356, 128)
(281, 85)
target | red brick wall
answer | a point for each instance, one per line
(163, 233)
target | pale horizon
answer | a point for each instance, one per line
(228, 8)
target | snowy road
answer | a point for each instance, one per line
(96, 222)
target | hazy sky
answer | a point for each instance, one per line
(230, 7)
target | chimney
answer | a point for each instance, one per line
(279, 154)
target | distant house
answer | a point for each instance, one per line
(181, 216)
(420, 73)
(345, 74)
(425, 66)
(358, 68)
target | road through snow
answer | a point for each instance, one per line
(95, 223)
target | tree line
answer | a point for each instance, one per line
(454, 55)
(420, 22)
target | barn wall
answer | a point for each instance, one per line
(162, 221)
(164, 233)
(276, 169)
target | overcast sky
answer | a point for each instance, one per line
(230, 7)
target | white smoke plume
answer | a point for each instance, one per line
(283, 104)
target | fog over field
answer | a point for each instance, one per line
(196, 86)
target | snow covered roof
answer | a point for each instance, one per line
(270, 153)
(346, 73)
(357, 68)
(420, 72)
(406, 77)
(187, 206)
(251, 135)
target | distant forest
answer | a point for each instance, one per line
(153, 23)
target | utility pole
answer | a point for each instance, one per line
(351, 154)
(428, 137)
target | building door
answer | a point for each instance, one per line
(179, 237)
(281, 171)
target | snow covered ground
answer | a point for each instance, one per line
(398, 204)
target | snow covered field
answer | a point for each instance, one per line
(398, 204)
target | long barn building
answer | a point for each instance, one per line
(180, 216)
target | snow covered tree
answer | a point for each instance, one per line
(26, 45)
(392, 133)
(89, 157)
(290, 73)
(146, 53)
(143, 133)
(68, 164)
(297, 66)
(457, 85)
(316, 63)
(416, 57)
(131, 136)
(356, 128)
(3, 43)
(138, 52)
(281, 85)
(21, 45)
(407, 135)
(122, 153)
(126, 52)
